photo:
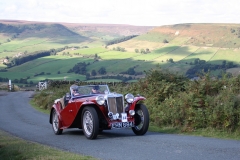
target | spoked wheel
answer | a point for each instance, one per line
(141, 119)
(90, 122)
(55, 123)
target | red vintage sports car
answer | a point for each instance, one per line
(94, 108)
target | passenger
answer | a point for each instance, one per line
(95, 90)
(74, 90)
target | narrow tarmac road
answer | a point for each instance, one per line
(18, 118)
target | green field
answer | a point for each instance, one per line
(205, 53)
(227, 54)
(185, 44)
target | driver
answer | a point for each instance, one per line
(73, 92)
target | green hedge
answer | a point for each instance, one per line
(175, 101)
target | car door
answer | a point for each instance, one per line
(68, 114)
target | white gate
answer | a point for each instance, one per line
(42, 85)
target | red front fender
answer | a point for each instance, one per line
(136, 100)
(57, 108)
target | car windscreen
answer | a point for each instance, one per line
(93, 89)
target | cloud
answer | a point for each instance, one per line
(10, 9)
(134, 12)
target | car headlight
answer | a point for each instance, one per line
(129, 98)
(132, 112)
(100, 100)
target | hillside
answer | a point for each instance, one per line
(202, 35)
(208, 35)
(182, 48)
(93, 30)
(184, 43)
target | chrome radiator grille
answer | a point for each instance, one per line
(115, 105)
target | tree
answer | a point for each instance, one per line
(171, 60)
(147, 50)
(102, 70)
(229, 65)
(136, 50)
(119, 40)
(224, 63)
(122, 50)
(79, 68)
(131, 71)
(143, 51)
(93, 73)
(202, 61)
(165, 41)
(87, 76)
(15, 81)
(196, 61)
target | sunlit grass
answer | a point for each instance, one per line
(227, 54)
(206, 132)
(15, 148)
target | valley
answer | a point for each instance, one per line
(183, 49)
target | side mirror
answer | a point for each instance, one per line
(68, 96)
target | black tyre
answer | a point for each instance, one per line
(55, 123)
(141, 119)
(90, 122)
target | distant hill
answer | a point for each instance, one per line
(183, 48)
(112, 29)
(200, 35)
(205, 35)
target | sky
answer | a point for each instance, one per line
(131, 12)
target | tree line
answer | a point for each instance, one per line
(119, 77)
(21, 80)
(201, 65)
(119, 40)
(15, 61)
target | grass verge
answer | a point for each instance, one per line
(15, 148)
(205, 132)
(38, 108)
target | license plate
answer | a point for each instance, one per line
(122, 125)
(124, 117)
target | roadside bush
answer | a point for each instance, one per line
(44, 99)
(204, 103)
(175, 101)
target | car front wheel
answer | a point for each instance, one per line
(90, 122)
(55, 123)
(141, 119)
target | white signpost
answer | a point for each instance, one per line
(10, 85)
